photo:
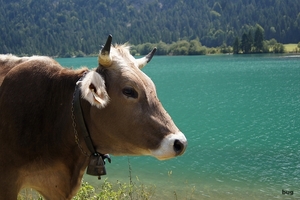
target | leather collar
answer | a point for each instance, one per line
(96, 160)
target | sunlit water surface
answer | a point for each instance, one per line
(240, 115)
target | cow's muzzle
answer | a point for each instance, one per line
(172, 145)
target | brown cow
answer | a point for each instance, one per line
(54, 121)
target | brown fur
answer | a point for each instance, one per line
(35, 102)
(37, 142)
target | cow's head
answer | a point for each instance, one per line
(126, 116)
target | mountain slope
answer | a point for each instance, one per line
(55, 27)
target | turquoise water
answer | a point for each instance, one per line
(240, 115)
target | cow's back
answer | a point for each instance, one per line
(9, 61)
(35, 108)
(5, 66)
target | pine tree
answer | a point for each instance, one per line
(236, 45)
(245, 44)
(258, 39)
(251, 40)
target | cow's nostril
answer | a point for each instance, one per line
(178, 147)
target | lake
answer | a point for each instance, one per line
(240, 115)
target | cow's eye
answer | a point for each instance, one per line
(130, 92)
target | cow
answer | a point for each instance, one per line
(57, 122)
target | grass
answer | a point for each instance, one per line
(107, 191)
(291, 48)
(133, 190)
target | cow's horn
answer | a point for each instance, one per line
(143, 61)
(104, 57)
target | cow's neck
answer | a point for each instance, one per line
(80, 124)
(96, 160)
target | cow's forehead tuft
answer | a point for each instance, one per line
(122, 58)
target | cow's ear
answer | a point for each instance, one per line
(93, 89)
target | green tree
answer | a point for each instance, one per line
(278, 48)
(30, 27)
(196, 48)
(236, 45)
(298, 47)
(162, 48)
(258, 39)
(251, 40)
(217, 7)
(146, 48)
(265, 48)
(225, 49)
(180, 48)
(245, 44)
(272, 43)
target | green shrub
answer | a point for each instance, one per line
(107, 191)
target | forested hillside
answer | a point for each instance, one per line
(56, 27)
